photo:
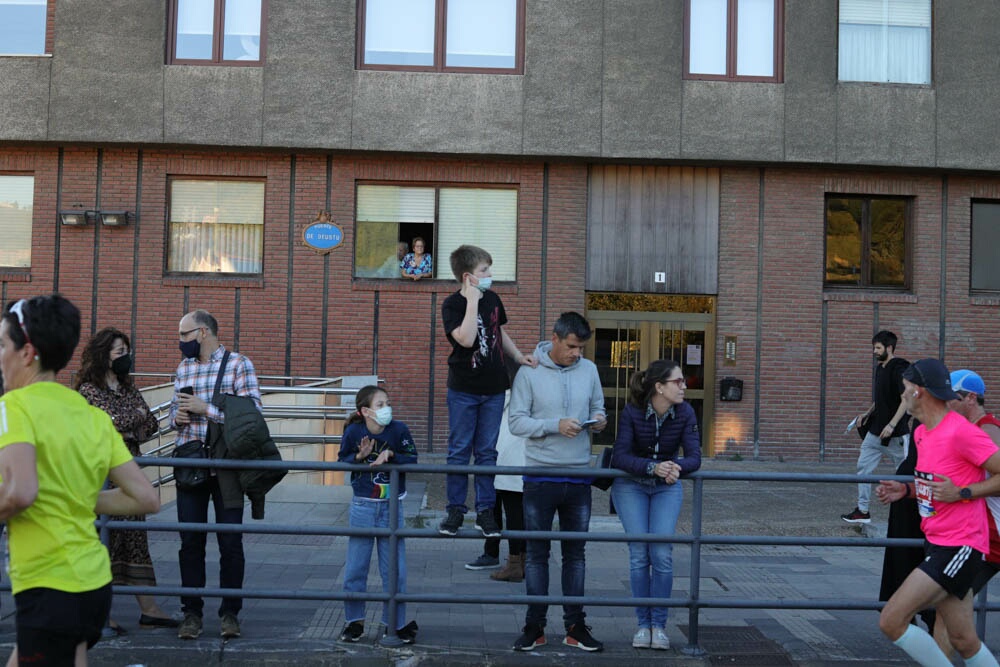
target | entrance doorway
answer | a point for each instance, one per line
(633, 330)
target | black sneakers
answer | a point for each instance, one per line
(578, 636)
(353, 631)
(451, 523)
(484, 562)
(857, 516)
(487, 524)
(532, 636)
(408, 633)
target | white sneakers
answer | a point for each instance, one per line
(655, 639)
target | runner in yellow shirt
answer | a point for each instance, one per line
(55, 453)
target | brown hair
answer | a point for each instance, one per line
(465, 259)
(363, 399)
(643, 383)
(96, 359)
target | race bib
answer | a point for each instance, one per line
(925, 494)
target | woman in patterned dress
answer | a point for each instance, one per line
(417, 264)
(105, 382)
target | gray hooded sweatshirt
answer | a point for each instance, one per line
(544, 395)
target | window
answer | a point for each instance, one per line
(17, 194)
(442, 35)
(866, 241)
(885, 41)
(220, 32)
(391, 216)
(985, 270)
(733, 40)
(22, 27)
(216, 227)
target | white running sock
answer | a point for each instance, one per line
(983, 658)
(921, 647)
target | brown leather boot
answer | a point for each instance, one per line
(513, 570)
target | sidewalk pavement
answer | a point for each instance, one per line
(304, 632)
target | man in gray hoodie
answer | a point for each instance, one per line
(555, 406)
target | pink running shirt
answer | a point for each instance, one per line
(956, 449)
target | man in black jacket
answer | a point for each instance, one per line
(887, 422)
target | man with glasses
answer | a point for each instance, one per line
(191, 412)
(885, 420)
(555, 406)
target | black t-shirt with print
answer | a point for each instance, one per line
(478, 369)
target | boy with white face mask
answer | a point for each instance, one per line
(477, 380)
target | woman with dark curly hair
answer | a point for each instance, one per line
(105, 382)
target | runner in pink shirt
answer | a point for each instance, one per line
(949, 450)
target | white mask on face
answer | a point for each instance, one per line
(485, 283)
(383, 415)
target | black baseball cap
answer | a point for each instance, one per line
(933, 376)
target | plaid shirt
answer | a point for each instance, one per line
(240, 379)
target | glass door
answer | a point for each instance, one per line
(626, 342)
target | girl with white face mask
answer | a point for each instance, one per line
(373, 437)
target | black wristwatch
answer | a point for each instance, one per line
(965, 493)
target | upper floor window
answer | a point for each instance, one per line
(390, 218)
(17, 196)
(221, 32)
(984, 271)
(866, 241)
(216, 227)
(733, 40)
(442, 35)
(885, 41)
(22, 27)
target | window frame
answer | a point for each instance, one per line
(7, 269)
(930, 57)
(978, 291)
(440, 44)
(171, 179)
(48, 34)
(731, 47)
(218, 26)
(866, 231)
(437, 186)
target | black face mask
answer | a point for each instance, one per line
(190, 348)
(122, 365)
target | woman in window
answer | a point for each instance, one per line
(654, 428)
(105, 382)
(417, 264)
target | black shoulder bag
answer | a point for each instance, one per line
(192, 479)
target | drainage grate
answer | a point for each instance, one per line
(739, 645)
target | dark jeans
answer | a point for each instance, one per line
(510, 503)
(192, 507)
(542, 501)
(473, 429)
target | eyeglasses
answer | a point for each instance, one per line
(680, 382)
(18, 310)
(185, 333)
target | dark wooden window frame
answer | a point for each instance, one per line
(731, 37)
(217, 38)
(440, 44)
(866, 231)
(167, 273)
(972, 231)
(437, 186)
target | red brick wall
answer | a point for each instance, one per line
(793, 369)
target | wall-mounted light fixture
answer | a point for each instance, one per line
(114, 218)
(79, 217)
(74, 218)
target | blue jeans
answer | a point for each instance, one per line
(645, 507)
(372, 514)
(542, 500)
(192, 507)
(474, 426)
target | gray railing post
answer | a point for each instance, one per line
(981, 602)
(692, 647)
(391, 639)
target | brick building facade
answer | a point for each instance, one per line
(727, 184)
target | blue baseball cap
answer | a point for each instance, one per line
(966, 380)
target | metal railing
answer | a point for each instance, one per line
(694, 602)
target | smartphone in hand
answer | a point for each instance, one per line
(588, 423)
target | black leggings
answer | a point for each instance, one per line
(510, 503)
